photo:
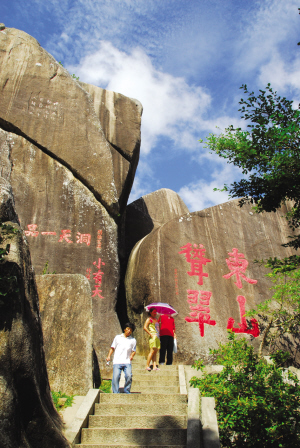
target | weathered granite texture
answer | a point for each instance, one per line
(140, 218)
(27, 414)
(120, 118)
(150, 212)
(157, 271)
(67, 321)
(68, 228)
(43, 103)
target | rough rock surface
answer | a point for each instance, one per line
(42, 102)
(150, 212)
(120, 118)
(67, 321)
(67, 228)
(27, 415)
(157, 271)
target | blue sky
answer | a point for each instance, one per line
(184, 60)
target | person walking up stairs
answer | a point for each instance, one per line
(153, 415)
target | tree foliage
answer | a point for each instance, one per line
(267, 152)
(257, 404)
(280, 315)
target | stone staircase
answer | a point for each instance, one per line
(153, 415)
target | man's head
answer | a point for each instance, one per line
(128, 329)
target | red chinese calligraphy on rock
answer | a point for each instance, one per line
(31, 230)
(243, 327)
(195, 256)
(199, 309)
(99, 239)
(98, 278)
(65, 236)
(97, 291)
(98, 265)
(83, 238)
(238, 265)
(88, 273)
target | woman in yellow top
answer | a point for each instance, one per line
(152, 328)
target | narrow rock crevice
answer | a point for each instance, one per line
(4, 85)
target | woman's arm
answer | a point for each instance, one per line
(146, 326)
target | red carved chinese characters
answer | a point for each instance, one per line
(31, 230)
(99, 239)
(196, 258)
(65, 236)
(238, 265)
(88, 273)
(199, 306)
(83, 238)
(243, 328)
(98, 279)
(200, 309)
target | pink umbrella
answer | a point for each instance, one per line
(162, 308)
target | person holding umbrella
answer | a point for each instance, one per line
(152, 328)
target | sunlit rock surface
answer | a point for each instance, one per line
(184, 261)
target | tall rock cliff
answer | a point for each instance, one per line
(27, 414)
(73, 151)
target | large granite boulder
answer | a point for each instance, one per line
(150, 212)
(202, 263)
(140, 218)
(120, 119)
(67, 321)
(42, 102)
(67, 228)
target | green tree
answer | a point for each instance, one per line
(279, 316)
(267, 152)
(257, 404)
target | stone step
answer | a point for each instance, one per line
(137, 398)
(163, 376)
(156, 389)
(137, 436)
(88, 445)
(139, 408)
(161, 366)
(153, 382)
(137, 421)
(171, 373)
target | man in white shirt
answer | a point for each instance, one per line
(124, 348)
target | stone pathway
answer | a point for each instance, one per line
(153, 415)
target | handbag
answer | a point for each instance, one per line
(175, 345)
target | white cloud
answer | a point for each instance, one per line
(282, 75)
(200, 195)
(275, 23)
(172, 108)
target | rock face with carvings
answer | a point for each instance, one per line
(43, 103)
(27, 414)
(74, 149)
(202, 263)
(67, 321)
(141, 217)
